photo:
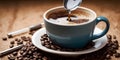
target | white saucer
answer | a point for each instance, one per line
(99, 43)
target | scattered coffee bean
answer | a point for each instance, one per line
(44, 58)
(20, 57)
(108, 56)
(4, 38)
(30, 52)
(10, 36)
(24, 38)
(24, 53)
(12, 42)
(109, 37)
(117, 55)
(11, 45)
(11, 57)
(14, 53)
(16, 39)
(21, 52)
(114, 36)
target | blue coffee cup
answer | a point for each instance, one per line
(74, 36)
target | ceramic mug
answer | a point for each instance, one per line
(74, 36)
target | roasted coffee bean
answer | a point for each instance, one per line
(16, 39)
(117, 55)
(35, 56)
(45, 35)
(108, 56)
(31, 57)
(20, 58)
(48, 46)
(24, 49)
(14, 53)
(39, 56)
(114, 36)
(4, 38)
(11, 45)
(11, 57)
(44, 58)
(21, 42)
(43, 43)
(21, 52)
(24, 53)
(26, 58)
(29, 52)
(109, 37)
(115, 41)
(12, 42)
(10, 36)
(24, 38)
(29, 39)
(53, 47)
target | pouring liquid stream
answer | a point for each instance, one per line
(71, 5)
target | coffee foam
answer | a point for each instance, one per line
(62, 21)
(81, 13)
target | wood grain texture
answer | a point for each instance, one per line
(15, 15)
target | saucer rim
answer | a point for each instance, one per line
(67, 53)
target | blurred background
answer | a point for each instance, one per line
(16, 14)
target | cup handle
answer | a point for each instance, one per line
(99, 19)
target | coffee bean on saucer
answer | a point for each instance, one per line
(44, 58)
(108, 56)
(43, 43)
(48, 46)
(53, 47)
(4, 38)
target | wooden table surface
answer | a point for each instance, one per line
(15, 15)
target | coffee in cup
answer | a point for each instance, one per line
(76, 33)
(76, 17)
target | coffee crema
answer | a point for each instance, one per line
(76, 16)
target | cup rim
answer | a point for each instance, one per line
(44, 16)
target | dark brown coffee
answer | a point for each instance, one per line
(65, 18)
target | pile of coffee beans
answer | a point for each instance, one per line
(30, 52)
(110, 50)
(46, 41)
(27, 52)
